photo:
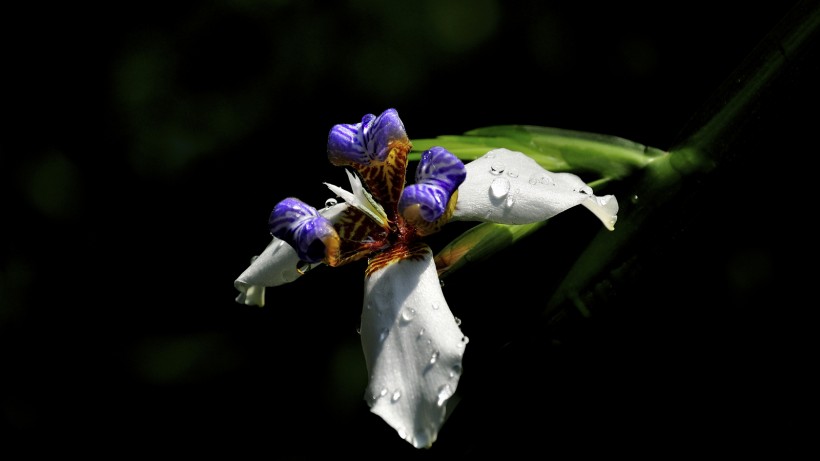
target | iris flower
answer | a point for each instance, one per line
(412, 343)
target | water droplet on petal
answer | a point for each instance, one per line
(359, 330)
(435, 306)
(421, 332)
(490, 155)
(396, 396)
(511, 199)
(458, 320)
(383, 335)
(499, 187)
(330, 202)
(546, 180)
(455, 371)
(444, 393)
(408, 314)
(381, 394)
(434, 357)
(634, 198)
(497, 168)
(586, 190)
(513, 173)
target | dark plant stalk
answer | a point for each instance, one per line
(706, 148)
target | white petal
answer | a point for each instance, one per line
(361, 199)
(277, 265)
(508, 187)
(413, 348)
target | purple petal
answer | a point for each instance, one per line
(367, 141)
(303, 228)
(438, 175)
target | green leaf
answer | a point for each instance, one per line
(479, 243)
(553, 148)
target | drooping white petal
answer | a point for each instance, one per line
(277, 265)
(413, 348)
(508, 187)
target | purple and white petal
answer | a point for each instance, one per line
(438, 175)
(508, 187)
(386, 128)
(277, 265)
(309, 233)
(413, 348)
(346, 143)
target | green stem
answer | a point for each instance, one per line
(707, 146)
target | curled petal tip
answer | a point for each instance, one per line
(308, 232)
(438, 176)
(368, 141)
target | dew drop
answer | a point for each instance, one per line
(383, 335)
(421, 333)
(458, 320)
(381, 394)
(512, 173)
(490, 154)
(634, 198)
(499, 187)
(444, 393)
(359, 330)
(396, 396)
(546, 180)
(497, 168)
(434, 357)
(586, 190)
(455, 371)
(435, 306)
(511, 199)
(408, 314)
(330, 202)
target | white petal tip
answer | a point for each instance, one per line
(604, 208)
(252, 295)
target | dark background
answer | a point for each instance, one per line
(144, 144)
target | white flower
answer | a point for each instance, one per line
(413, 345)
